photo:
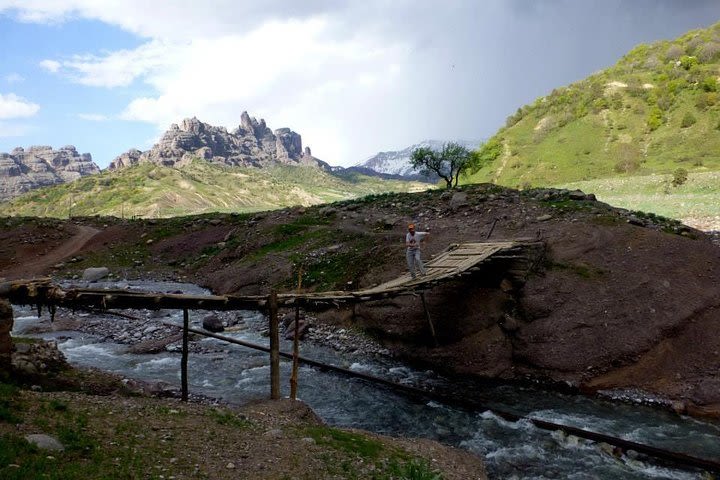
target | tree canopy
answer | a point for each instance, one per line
(448, 163)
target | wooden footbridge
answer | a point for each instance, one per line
(456, 261)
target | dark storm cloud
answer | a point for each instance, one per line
(477, 63)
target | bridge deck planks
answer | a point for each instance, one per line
(452, 263)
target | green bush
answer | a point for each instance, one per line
(688, 120)
(710, 84)
(706, 100)
(688, 61)
(488, 153)
(655, 118)
(680, 176)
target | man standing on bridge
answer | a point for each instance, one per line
(412, 242)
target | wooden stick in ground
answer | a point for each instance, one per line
(296, 355)
(274, 347)
(296, 343)
(184, 361)
(427, 316)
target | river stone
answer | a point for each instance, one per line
(212, 323)
(94, 274)
(303, 326)
(45, 442)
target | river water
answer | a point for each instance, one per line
(512, 450)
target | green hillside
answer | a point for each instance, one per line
(150, 190)
(656, 110)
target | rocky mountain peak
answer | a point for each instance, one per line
(41, 166)
(252, 143)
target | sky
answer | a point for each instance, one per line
(353, 77)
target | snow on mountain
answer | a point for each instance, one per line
(398, 162)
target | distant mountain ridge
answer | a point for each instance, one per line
(396, 163)
(200, 168)
(251, 144)
(41, 166)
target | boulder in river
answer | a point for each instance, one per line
(94, 274)
(212, 323)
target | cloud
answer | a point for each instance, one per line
(93, 117)
(14, 78)
(12, 106)
(52, 66)
(353, 77)
(169, 19)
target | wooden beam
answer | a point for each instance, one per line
(274, 346)
(427, 316)
(184, 360)
(296, 355)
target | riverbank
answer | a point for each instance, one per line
(93, 423)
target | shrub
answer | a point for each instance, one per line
(688, 61)
(710, 84)
(674, 52)
(688, 120)
(694, 43)
(600, 104)
(709, 52)
(488, 153)
(655, 118)
(652, 63)
(664, 102)
(515, 118)
(679, 177)
(706, 99)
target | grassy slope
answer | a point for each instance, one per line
(624, 121)
(696, 201)
(150, 190)
(123, 436)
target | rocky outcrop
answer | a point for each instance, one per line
(40, 166)
(252, 143)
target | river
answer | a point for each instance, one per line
(512, 450)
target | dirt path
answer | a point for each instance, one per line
(41, 264)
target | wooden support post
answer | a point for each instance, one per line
(274, 346)
(427, 315)
(296, 355)
(184, 361)
(6, 341)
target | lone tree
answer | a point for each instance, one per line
(448, 163)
